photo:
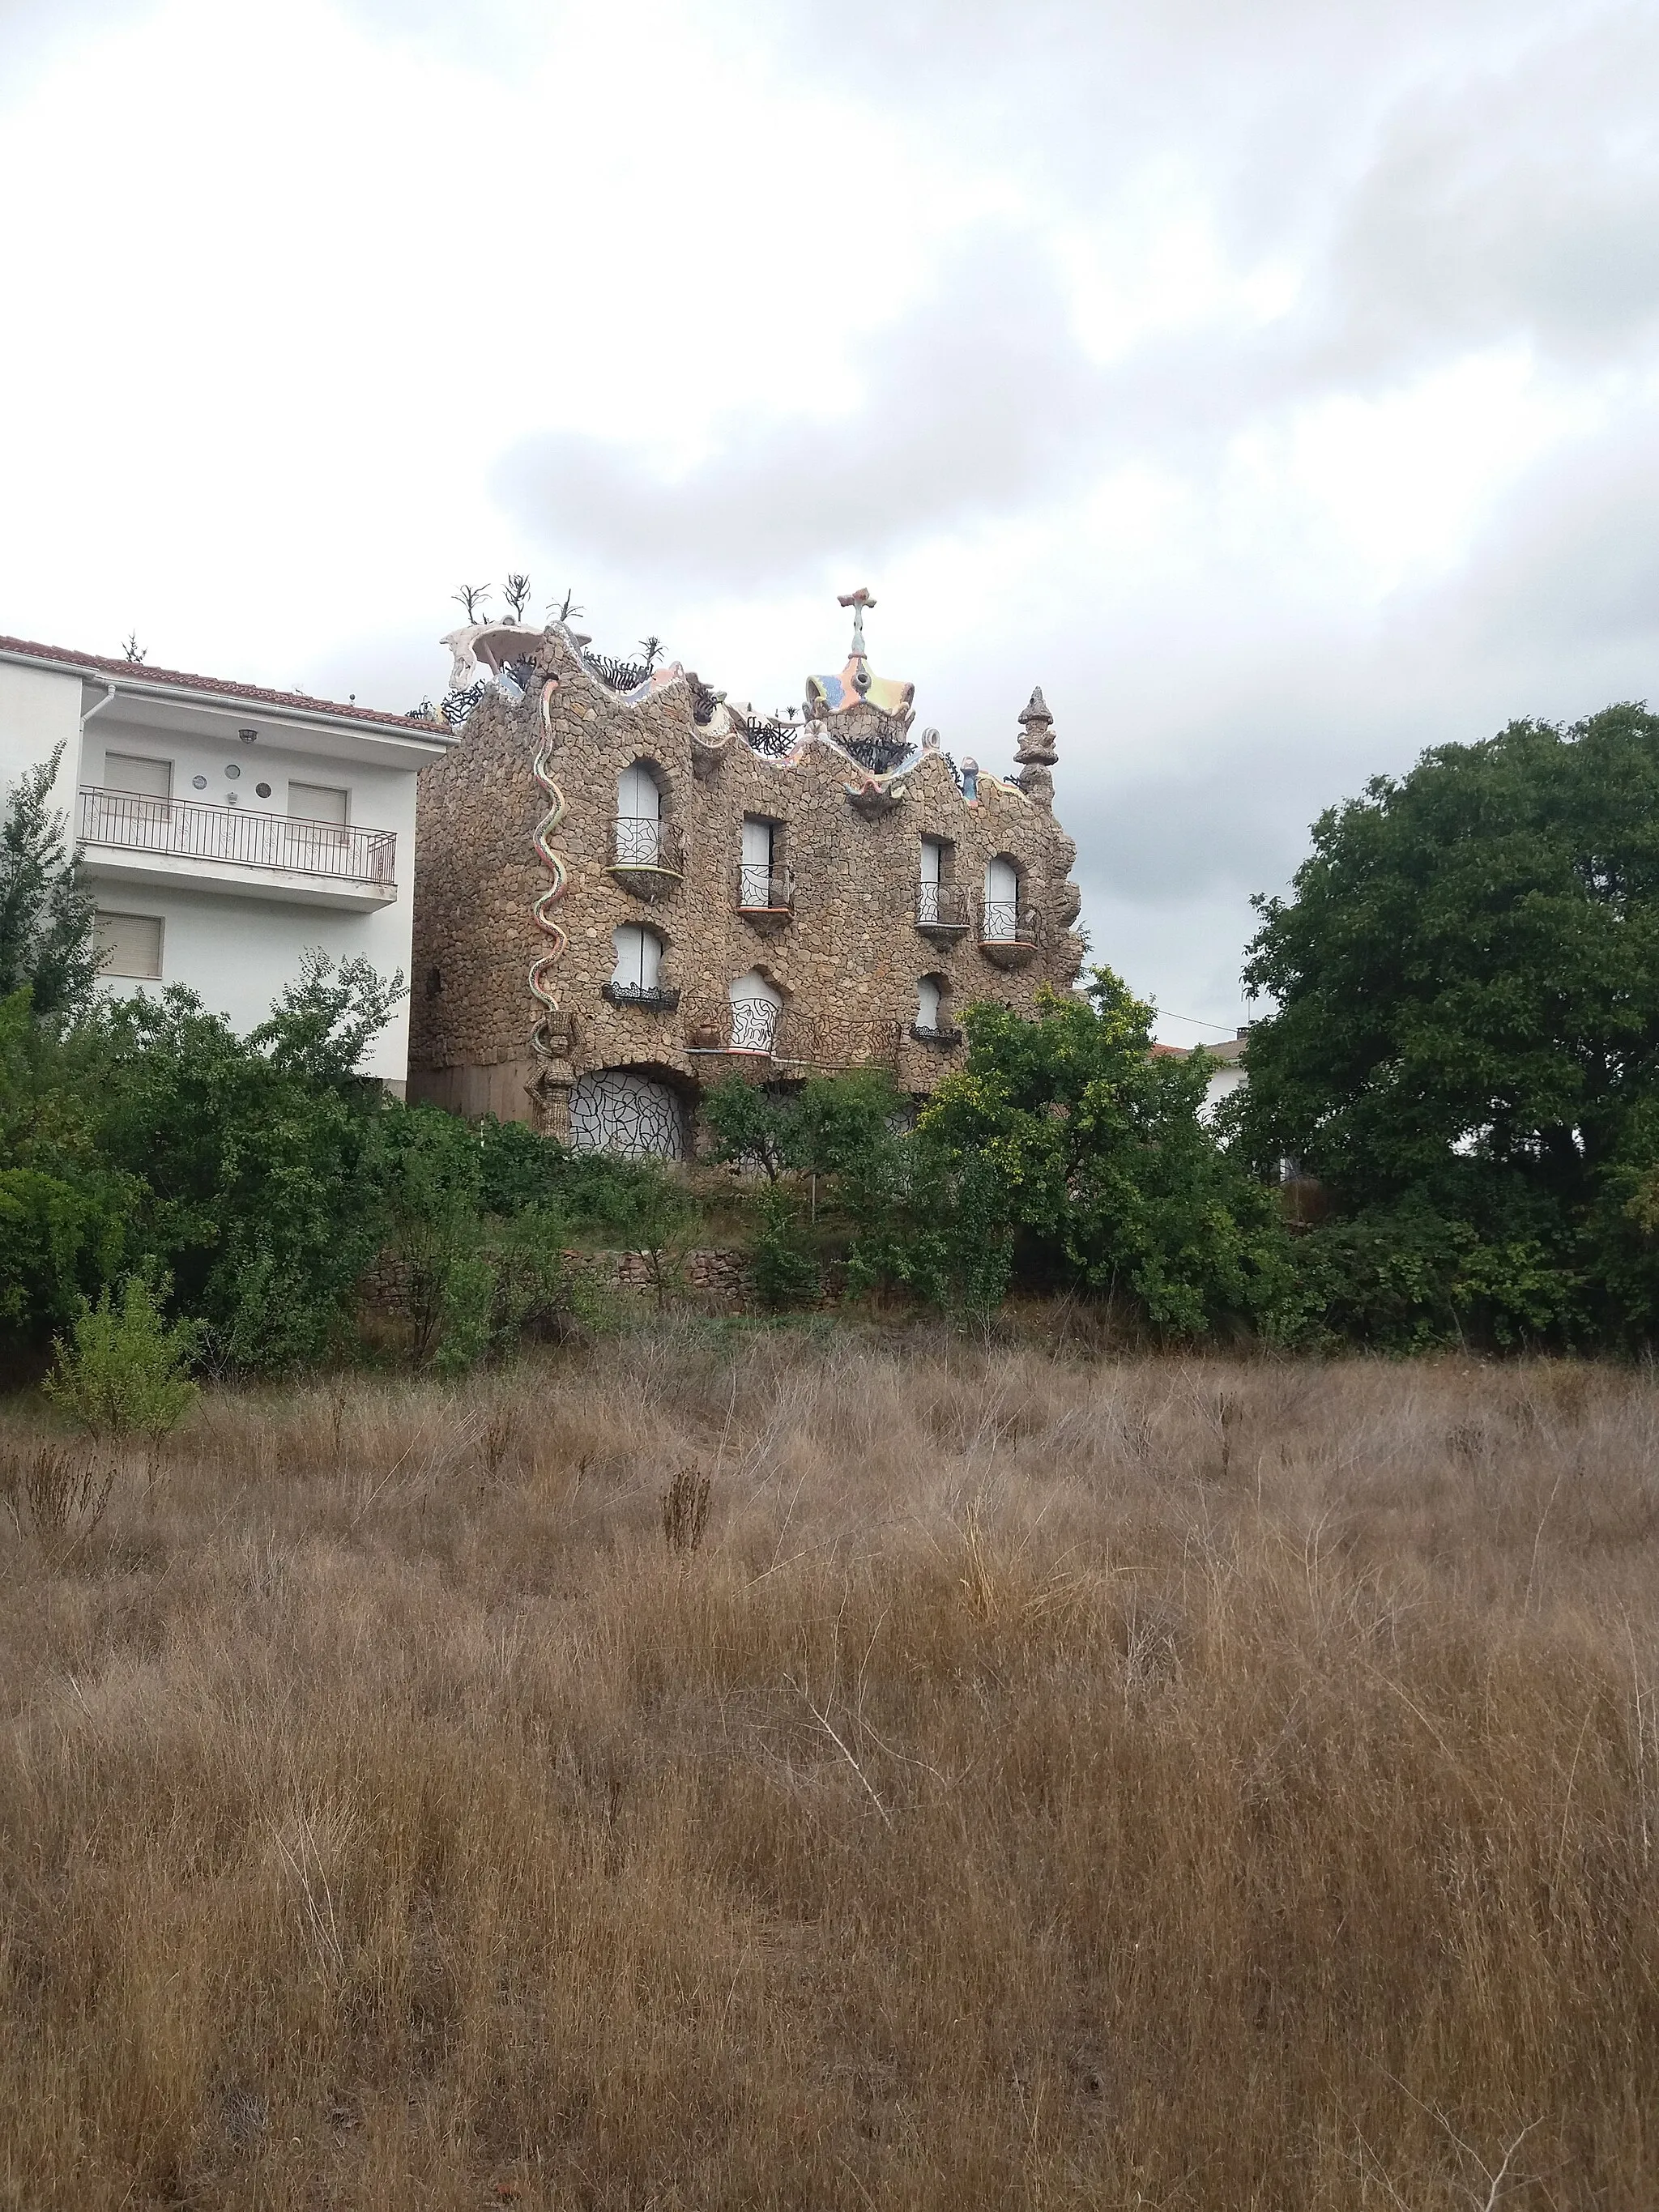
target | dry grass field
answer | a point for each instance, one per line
(1049, 1781)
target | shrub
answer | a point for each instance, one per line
(466, 1313)
(47, 1489)
(120, 1371)
(784, 1269)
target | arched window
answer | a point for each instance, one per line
(930, 1003)
(1001, 915)
(639, 959)
(755, 1006)
(639, 814)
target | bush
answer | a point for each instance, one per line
(784, 1270)
(466, 1313)
(120, 1372)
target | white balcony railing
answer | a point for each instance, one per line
(186, 829)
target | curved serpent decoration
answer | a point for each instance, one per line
(541, 1041)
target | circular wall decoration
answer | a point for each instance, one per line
(199, 783)
(614, 1110)
(232, 770)
(262, 791)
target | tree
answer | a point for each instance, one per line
(259, 1158)
(751, 1126)
(1466, 1043)
(323, 1025)
(1105, 1168)
(46, 922)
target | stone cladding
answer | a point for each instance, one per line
(845, 960)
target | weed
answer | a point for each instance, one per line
(685, 1509)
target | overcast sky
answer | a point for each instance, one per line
(1275, 381)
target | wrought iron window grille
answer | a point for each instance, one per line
(646, 841)
(942, 907)
(1002, 922)
(765, 890)
(753, 1025)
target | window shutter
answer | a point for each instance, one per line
(130, 945)
(317, 802)
(148, 779)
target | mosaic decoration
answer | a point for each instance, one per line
(614, 1110)
(543, 1041)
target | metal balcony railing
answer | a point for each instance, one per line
(187, 829)
(1001, 921)
(835, 1041)
(766, 891)
(940, 1033)
(943, 908)
(655, 998)
(790, 1040)
(646, 841)
(753, 1025)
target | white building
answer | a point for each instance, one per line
(225, 829)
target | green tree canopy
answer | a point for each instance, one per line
(46, 921)
(1467, 1028)
(1103, 1160)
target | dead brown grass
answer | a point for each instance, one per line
(1045, 1783)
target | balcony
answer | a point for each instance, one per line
(1009, 935)
(942, 912)
(656, 999)
(154, 842)
(649, 858)
(766, 897)
(944, 1034)
(778, 1040)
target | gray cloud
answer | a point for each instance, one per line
(1444, 174)
(1565, 574)
(979, 401)
(1528, 207)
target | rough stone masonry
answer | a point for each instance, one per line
(711, 890)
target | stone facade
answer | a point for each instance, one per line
(522, 1005)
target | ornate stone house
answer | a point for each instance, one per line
(627, 886)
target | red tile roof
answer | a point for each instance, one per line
(173, 679)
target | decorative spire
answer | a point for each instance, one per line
(1037, 753)
(858, 601)
(1037, 742)
(879, 708)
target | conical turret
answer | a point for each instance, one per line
(1037, 753)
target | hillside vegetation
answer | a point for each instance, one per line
(1014, 1781)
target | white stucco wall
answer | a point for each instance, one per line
(235, 950)
(39, 707)
(381, 798)
(237, 954)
